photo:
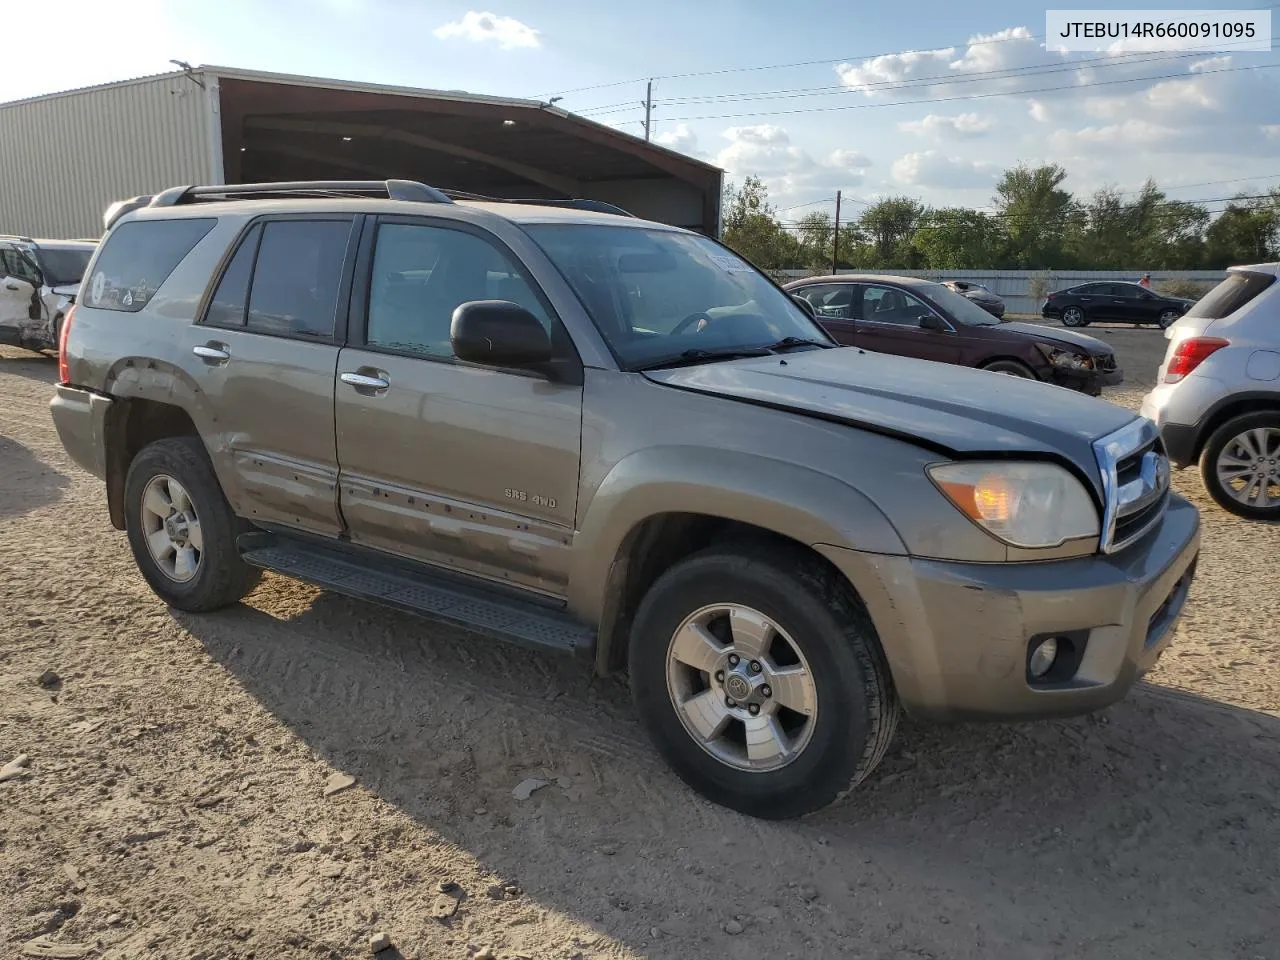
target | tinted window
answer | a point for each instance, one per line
(296, 277)
(1230, 295)
(891, 305)
(17, 265)
(64, 265)
(138, 258)
(227, 308)
(422, 274)
(833, 300)
(956, 307)
(1092, 290)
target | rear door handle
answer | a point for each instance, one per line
(365, 381)
(11, 286)
(212, 353)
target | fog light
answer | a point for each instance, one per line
(1042, 657)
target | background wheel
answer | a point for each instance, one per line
(1013, 368)
(759, 676)
(1074, 317)
(1240, 466)
(181, 528)
(1169, 318)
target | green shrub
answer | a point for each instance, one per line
(1038, 286)
(1181, 287)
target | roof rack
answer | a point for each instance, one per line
(599, 206)
(392, 189)
(14, 236)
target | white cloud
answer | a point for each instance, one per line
(507, 32)
(930, 168)
(789, 171)
(1133, 131)
(682, 138)
(1040, 111)
(964, 125)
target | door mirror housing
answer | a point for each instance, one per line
(499, 333)
(931, 321)
(805, 305)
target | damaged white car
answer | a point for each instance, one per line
(39, 280)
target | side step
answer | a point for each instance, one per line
(418, 591)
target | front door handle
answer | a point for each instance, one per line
(365, 381)
(212, 353)
(11, 286)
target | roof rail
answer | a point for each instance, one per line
(14, 236)
(392, 189)
(599, 206)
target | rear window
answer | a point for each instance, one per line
(138, 258)
(64, 265)
(1230, 295)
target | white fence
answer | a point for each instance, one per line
(1014, 286)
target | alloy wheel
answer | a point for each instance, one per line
(1248, 467)
(171, 528)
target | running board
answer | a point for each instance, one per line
(419, 591)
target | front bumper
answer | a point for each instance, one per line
(956, 635)
(80, 417)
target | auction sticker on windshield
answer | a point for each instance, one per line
(731, 265)
(1121, 31)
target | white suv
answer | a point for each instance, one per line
(1217, 397)
(38, 281)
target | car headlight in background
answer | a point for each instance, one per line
(1065, 359)
(1030, 505)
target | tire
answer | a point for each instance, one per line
(217, 577)
(855, 709)
(1257, 430)
(1168, 319)
(1013, 368)
(1074, 317)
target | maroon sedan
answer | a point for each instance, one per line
(919, 318)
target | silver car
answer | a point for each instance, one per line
(1217, 398)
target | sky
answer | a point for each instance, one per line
(930, 99)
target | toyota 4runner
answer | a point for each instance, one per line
(571, 428)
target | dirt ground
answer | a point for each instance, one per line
(174, 800)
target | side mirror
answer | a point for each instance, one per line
(931, 321)
(806, 306)
(498, 333)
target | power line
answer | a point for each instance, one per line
(971, 96)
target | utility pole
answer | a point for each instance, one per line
(835, 240)
(648, 108)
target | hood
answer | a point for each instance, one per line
(957, 410)
(1059, 335)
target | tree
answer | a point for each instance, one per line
(752, 229)
(1245, 232)
(1037, 213)
(815, 234)
(956, 238)
(887, 226)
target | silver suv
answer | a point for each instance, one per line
(1217, 398)
(592, 434)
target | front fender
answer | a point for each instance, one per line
(784, 498)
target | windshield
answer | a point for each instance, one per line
(656, 294)
(64, 265)
(958, 308)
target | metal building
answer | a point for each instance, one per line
(65, 157)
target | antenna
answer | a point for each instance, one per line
(189, 71)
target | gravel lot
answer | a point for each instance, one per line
(174, 803)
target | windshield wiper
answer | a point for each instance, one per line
(700, 355)
(787, 343)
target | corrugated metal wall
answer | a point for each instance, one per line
(65, 158)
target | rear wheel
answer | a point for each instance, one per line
(760, 679)
(1240, 466)
(181, 528)
(1074, 317)
(1013, 368)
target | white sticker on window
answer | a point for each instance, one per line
(731, 265)
(98, 287)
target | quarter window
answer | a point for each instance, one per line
(138, 258)
(422, 274)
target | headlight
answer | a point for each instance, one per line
(1065, 359)
(1023, 504)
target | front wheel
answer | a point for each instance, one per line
(182, 530)
(1240, 466)
(1074, 317)
(759, 677)
(1012, 368)
(1168, 319)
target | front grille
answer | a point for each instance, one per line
(1135, 481)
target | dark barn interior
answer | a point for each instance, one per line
(277, 129)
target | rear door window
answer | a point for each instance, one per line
(138, 258)
(231, 298)
(296, 277)
(1230, 295)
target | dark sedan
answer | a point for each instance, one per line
(919, 318)
(979, 294)
(1114, 301)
